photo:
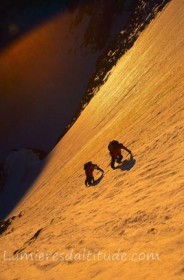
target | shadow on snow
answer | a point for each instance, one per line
(126, 165)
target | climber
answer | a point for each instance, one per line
(89, 167)
(114, 148)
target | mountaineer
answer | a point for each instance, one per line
(115, 148)
(89, 167)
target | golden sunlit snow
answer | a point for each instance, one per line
(137, 211)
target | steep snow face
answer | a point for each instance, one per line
(43, 75)
(137, 209)
(20, 169)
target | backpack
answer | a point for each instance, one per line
(87, 164)
(114, 144)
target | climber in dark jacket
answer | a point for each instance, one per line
(89, 167)
(115, 148)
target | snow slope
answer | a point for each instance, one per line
(137, 210)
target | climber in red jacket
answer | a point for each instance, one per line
(89, 167)
(115, 148)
